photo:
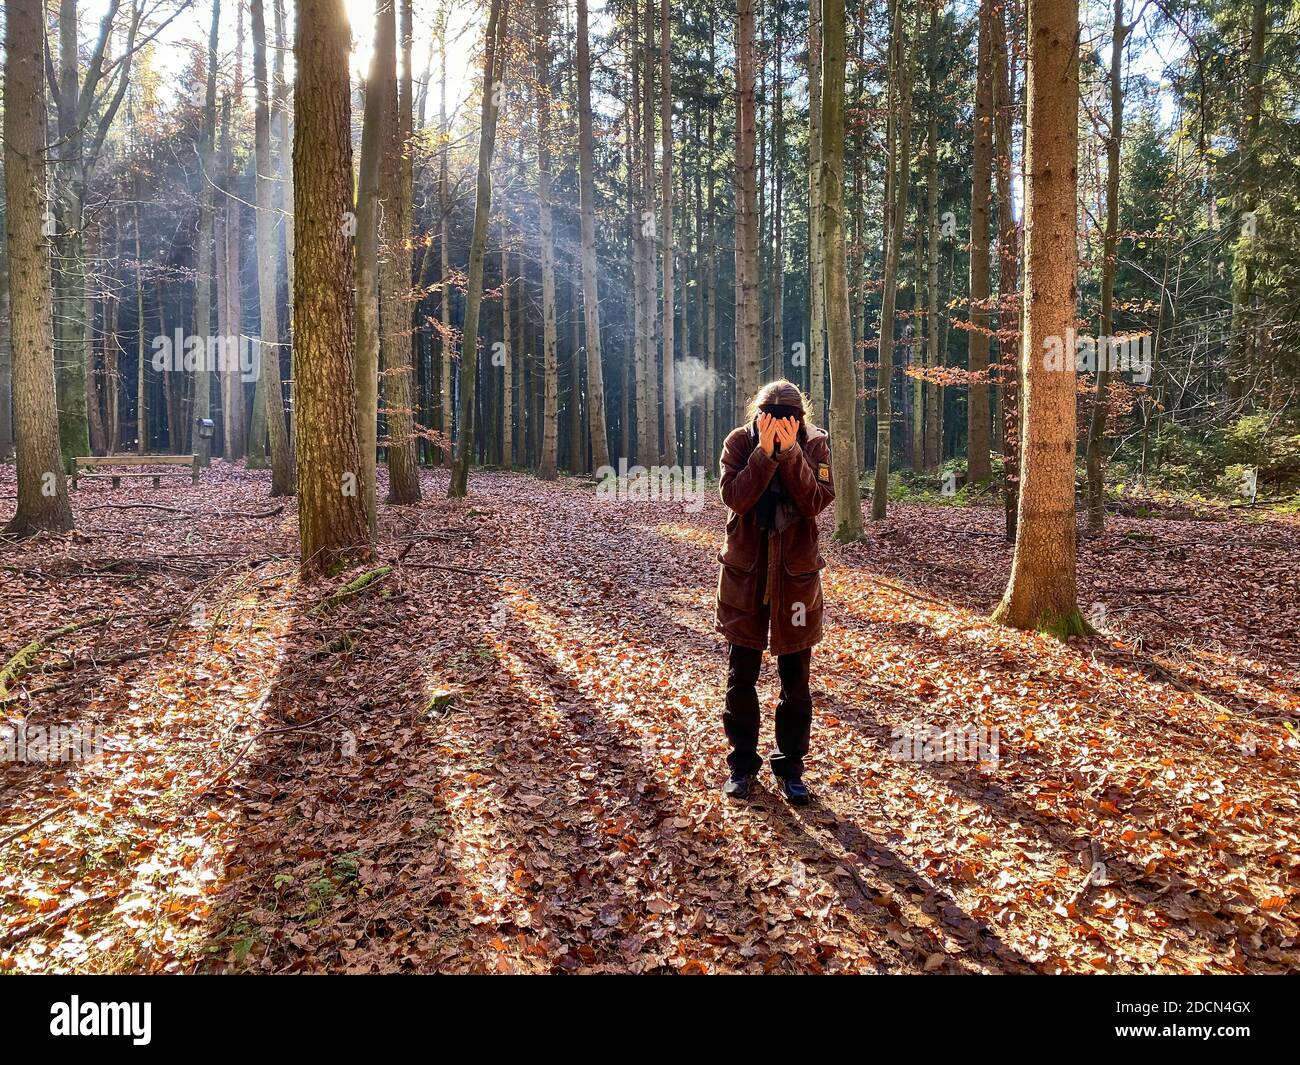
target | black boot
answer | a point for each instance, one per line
(795, 791)
(738, 786)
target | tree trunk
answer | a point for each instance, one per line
(747, 296)
(1008, 279)
(816, 259)
(366, 265)
(281, 111)
(71, 339)
(1110, 245)
(6, 359)
(493, 91)
(269, 417)
(590, 278)
(666, 207)
(331, 516)
(900, 167)
(232, 395)
(94, 410)
(649, 232)
(713, 396)
(933, 391)
(395, 272)
(1243, 324)
(645, 414)
(42, 504)
(205, 252)
(446, 409)
(978, 469)
(507, 358)
(145, 416)
(550, 402)
(84, 110)
(839, 331)
(573, 421)
(1041, 593)
(112, 361)
(221, 196)
(931, 456)
(777, 274)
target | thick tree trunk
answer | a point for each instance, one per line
(42, 490)
(844, 444)
(1041, 593)
(331, 517)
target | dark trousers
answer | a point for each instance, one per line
(793, 711)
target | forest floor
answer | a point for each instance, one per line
(506, 753)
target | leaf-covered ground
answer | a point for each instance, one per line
(504, 754)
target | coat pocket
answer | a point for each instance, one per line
(736, 586)
(801, 590)
(799, 552)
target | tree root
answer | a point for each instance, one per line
(20, 664)
(351, 589)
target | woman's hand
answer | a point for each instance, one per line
(787, 432)
(768, 428)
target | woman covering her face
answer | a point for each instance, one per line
(776, 479)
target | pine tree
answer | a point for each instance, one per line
(843, 428)
(42, 489)
(331, 515)
(1041, 593)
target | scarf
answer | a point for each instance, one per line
(774, 510)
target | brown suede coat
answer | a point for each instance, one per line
(771, 580)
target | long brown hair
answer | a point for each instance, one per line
(783, 392)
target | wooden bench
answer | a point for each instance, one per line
(93, 461)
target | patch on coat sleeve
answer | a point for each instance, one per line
(824, 472)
